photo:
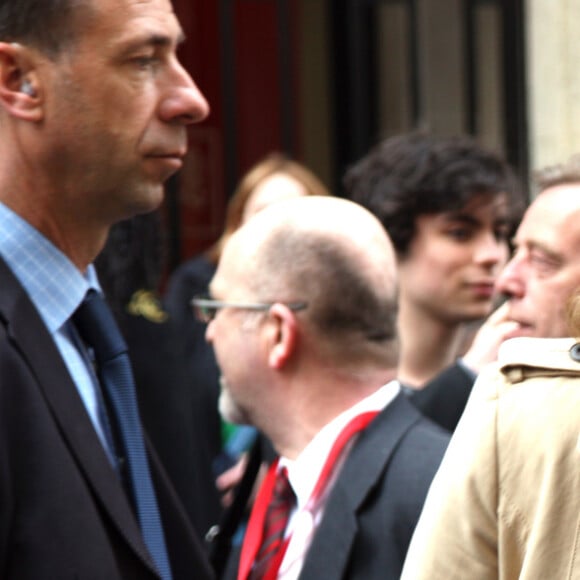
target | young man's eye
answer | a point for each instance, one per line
(459, 234)
(502, 233)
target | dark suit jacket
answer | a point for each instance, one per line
(63, 512)
(375, 504)
(444, 397)
(191, 278)
(376, 501)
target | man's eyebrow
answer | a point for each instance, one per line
(164, 40)
(155, 40)
(462, 217)
(470, 219)
(158, 40)
(536, 245)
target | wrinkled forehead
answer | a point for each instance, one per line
(554, 217)
(557, 205)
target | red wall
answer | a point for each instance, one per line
(257, 105)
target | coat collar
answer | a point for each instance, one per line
(31, 339)
(362, 470)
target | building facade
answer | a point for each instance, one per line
(324, 80)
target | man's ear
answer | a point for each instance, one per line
(282, 335)
(19, 83)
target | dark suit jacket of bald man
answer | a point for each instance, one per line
(444, 397)
(375, 503)
(63, 512)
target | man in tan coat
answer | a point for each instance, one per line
(504, 503)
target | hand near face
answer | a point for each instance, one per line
(228, 480)
(484, 348)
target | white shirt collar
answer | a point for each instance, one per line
(304, 471)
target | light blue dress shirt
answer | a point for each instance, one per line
(56, 287)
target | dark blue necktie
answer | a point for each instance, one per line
(98, 329)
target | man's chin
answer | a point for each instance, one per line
(229, 409)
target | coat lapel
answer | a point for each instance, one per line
(329, 553)
(32, 340)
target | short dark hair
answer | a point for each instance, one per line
(46, 25)
(417, 173)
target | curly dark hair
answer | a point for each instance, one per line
(417, 173)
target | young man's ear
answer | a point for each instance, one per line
(19, 91)
(283, 332)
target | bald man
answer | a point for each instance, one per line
(302, 319)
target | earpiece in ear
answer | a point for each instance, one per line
(27, 88)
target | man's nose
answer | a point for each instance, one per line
(511, 280)
(184, 103)
(491, 250)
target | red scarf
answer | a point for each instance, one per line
(253, 537)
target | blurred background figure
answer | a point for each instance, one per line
(130, 269)
(504, 504)
(502, 522)
(274, 178)
(450, 207)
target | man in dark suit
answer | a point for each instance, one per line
(303, 322)
(93, 113)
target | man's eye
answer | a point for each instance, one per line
(459, 234)
(145, 62)
(542, 261)
(502, 233)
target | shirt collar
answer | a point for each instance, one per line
(54, 284)
(304, 471)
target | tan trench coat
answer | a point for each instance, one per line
(506, 501)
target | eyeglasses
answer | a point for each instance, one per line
(206, 309)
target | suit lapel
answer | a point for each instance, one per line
(32, 340)
(329, 552)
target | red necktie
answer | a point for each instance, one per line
(275, 522)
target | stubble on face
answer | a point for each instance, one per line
(108, 141)
(229, 408)
(545, 270)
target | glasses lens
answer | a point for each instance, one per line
(203, 312)
(200, 313)
(208, 313)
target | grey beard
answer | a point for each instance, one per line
(229, 408)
